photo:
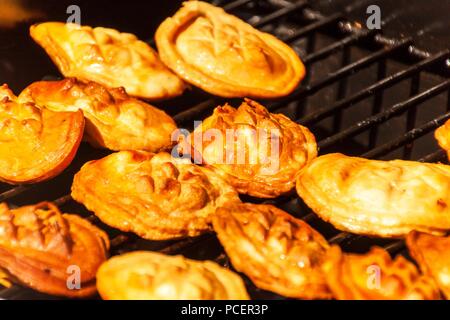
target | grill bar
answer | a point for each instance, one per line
(236, 4)
(279, 14)
(385, 115)
(13, 192)
(407, 137)
(341, 73)
(376, 87)
(434, 157)
(333, 19)
(325, 52)
(377, 103)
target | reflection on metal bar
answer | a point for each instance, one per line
(313, 27)
(236, 4)
(279, 14)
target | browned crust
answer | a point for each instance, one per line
(276, 251)
(331, 185)
(114, 120)
(297, 148)
(442, 135)
(34, 169)
(157, 83)
(170, 29)
(432, 255)
(118, 278)
(375, 276)
(46, 269)
(154, 196)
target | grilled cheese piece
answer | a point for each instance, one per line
(109, 57)
(156, 196)
(114, 120)
(225, 56)
(36, 143)
(257, 152)
(432, 254)
(375, 276)
(278, 252)
(377, 198)
(51, 252)
(442, 135)
(147, 275)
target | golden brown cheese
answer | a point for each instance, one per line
(144, 275)
(114, 120)
(41, 248)
(225, 56)
(442, 135)
(380, 198)
(264, 155)
(276, 251)
(36, 144)
(157, 196)
(109, 57)
(375, 276)
(432, 254)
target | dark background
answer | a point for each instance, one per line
(22, 61)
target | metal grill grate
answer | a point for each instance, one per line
(364, 94)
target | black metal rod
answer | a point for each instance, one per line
(395, 247)
(377, 102)
(448, 100)
(195, 111)
(13, 192)
(385, 115)
(313, 27)
(236, 4)
(184, 244)
(407, 137)
(369, 91)
(339, 74)
(341, 90)
(279, 14)
(341, 237)
(339, 45)
(63, 200)
(434, 157)
(411, 114)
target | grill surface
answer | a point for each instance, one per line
(364, 94)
